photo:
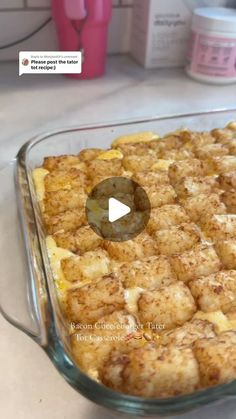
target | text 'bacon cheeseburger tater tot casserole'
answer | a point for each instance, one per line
(154, 316)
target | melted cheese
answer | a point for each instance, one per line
(162, 164)
(56, 254)
(232, 318)
(140, 137)
(93, 373)
(218, 318)
(131, 297)
(110, 154)
(38, 177)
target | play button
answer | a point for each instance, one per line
(118, 209)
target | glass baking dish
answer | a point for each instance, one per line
(32, 304)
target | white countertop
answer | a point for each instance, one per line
(30, 386)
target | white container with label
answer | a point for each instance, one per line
(161, 30)
(212, 54)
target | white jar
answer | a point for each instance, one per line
(212, 55)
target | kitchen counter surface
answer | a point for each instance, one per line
(30, 386)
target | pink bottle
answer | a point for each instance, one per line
(82, 25)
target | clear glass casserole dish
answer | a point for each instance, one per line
(32, 304)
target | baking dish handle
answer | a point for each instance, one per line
(18, 294)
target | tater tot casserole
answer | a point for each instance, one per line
(154, 316)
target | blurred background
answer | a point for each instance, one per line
(20, 17)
